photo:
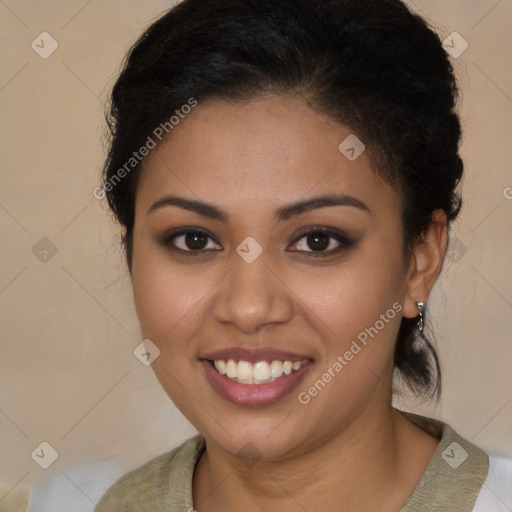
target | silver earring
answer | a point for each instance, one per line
(421, 305)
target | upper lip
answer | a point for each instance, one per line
(253, 355)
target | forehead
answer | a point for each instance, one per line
(265, 152)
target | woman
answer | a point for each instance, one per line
(286, 174)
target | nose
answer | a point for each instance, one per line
(253, 295)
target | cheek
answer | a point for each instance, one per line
(352, 296)
(357, 311)
(169, 301)
(168, 297)
(356, 308)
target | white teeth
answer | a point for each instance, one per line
(231, 369)
(221, 367)
(287, 367)
(244, 370)
(260, 372)
(276, 369)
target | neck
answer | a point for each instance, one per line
(373, 463)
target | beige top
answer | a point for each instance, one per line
(451, 481)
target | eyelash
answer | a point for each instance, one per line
(344, 241)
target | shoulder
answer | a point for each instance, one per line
(463, 474)
(15, 500)
(150, 486)
(455, 473)
(496, 492)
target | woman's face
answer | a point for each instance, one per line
(255, 288)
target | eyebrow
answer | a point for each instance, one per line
(284, 213)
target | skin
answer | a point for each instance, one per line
(347, 449)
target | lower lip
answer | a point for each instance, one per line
(254, 394)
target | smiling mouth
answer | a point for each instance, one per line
(259, 372)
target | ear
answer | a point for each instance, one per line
(426, 263)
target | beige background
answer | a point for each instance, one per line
(68, 375)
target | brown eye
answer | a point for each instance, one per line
(190, 240)
(322, 242)
(194, 240)
(318, 241)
